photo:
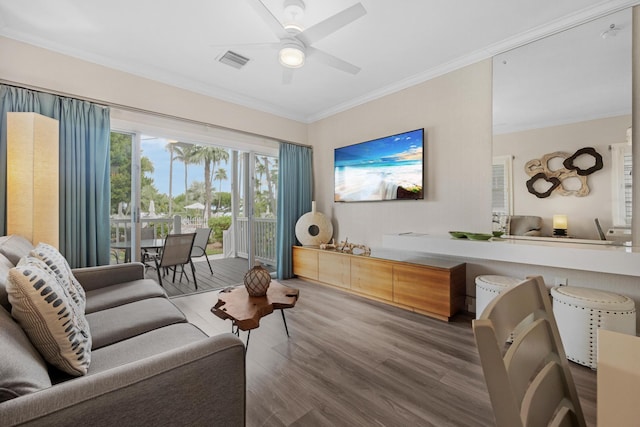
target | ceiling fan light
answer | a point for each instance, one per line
(291, 56)
(293, 26)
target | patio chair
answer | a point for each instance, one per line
(176, 252)
(200, 245)
(529, 381)
(147, 233)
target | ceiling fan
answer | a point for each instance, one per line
(295, 44)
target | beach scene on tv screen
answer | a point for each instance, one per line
(383, 169)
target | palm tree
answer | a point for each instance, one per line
(209, 156)
(196, 191)
(184, 153)
(268, 174)
(221, 175)
(260, 170)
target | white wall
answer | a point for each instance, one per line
(455, 111)
(581, 211)
(32, 66)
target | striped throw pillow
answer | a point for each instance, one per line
(60, 267)
(54, 323)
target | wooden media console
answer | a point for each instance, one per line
(431, 286)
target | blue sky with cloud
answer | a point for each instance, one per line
(155, 150)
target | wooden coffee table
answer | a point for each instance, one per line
(245, 311)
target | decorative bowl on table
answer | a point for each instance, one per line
(458, 234)
(479, 236)
(497, 233)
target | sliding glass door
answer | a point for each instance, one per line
(265, 174)
(179, 178)
(256, 176)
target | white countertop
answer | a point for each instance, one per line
(562, 253)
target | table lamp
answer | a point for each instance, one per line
(559, 225)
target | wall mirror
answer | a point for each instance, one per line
(560, 94)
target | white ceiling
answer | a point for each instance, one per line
(396, 44)
(572, 76)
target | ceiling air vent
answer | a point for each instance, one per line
(233, 59)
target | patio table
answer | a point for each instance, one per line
(145, 244)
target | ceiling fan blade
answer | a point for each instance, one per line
(332, 61)
(266, 15)
(332, 24)
(287, 75)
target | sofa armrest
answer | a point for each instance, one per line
(202, 383)
(106, 275)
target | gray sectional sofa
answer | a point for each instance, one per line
(149, 366)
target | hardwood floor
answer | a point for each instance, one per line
(226, 272)
(355, 362)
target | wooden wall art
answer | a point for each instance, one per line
(539, 170)
(568, 163)
(552, 180)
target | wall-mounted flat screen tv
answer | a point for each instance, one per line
(389, 168)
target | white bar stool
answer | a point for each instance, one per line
(580, 312)
(488, 287)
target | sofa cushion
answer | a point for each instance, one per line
(15, 247)
(146, 345)
(5, 266)
(60, 267)
(128, 320)
(54, 323)
(22, 369)
(122, 293)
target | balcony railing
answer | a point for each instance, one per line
(265, 241)
(121, 227)
(265, 232)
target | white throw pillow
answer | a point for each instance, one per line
(54, 323)
(60, 267)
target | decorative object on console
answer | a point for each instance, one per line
(500, 222)
(257, 281)
(524, 225)
(458, 234)
(331, 245)
(313, 228)
(560, 225)
(539, 170)
(354, 249)
(478, 236)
